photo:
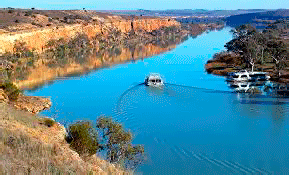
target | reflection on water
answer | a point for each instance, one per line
(44, 71)
(154, 91)
(260, 88)
(249, 87)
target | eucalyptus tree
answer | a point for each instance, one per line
(107, 137)
(117, 143)
(83, 138)
(246, 43)
(279, 53)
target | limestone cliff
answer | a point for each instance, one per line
(36, 39)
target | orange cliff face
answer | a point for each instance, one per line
(146, 24)
(42, 73)
(37, 38)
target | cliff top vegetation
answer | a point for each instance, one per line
(13, 20)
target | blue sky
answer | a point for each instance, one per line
(147, 4)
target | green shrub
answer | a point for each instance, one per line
(48, 122)
(11, 90)
(28, 13)
(83, 138)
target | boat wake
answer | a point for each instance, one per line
(231, 166)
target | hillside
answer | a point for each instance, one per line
(30, 145)
(184, 12)
(257, 18)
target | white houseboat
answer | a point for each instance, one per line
(247, 76)
(154, 79)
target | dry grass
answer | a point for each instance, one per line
(28, 146)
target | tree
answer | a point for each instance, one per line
(251, 53)
(246, 42)
(279, 53)
(261, 46)
(109, 137)
(117, 142)
(83, 138)
(242, 35)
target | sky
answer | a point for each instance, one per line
(146, 4)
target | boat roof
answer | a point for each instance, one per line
(246, 72)
(154, 75)
(258, 72)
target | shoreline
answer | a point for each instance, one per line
(222, 68)
(48, 146)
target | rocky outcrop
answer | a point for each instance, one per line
(31, 104)
(3, 96)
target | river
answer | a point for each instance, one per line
(194, 125)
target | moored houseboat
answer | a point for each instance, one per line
(247, 76)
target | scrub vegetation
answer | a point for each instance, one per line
(261, 50)
(33, 145)
(107, 137)
(11, 90)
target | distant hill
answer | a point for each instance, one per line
(186, 12)
(255, 18)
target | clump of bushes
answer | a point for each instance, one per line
(77, 49)
(21, 50)
(48, 122)
(10, 10)
(28, 13)
(11, 90)
(108, 137)
(83, 138)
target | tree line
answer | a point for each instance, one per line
(262, 46)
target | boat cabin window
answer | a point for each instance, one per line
(243, 76)
(258, 75)
(235, 76)
(155, 80)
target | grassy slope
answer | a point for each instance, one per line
(29, 146)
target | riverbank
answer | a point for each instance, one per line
(31, 145)
(230, 62)
(252, 49)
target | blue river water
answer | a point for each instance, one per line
(194, 125)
